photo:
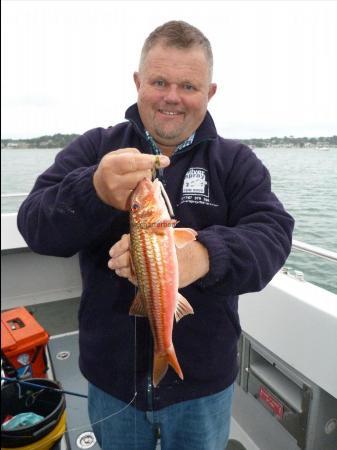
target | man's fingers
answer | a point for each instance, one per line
(120, 247)
(125, 150)
(130, 180)
(123, 272)
(120, 259)
(120, 262)
(126, 273)
(134, 162)
(120, 171)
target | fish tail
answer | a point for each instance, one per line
(160, 365)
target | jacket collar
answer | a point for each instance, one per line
(206, 131)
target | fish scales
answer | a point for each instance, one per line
(151, 272)
(154, 261)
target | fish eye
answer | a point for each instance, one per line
(135, 206)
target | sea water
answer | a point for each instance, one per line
(304, 179)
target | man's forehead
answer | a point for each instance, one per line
(187, 60)
(162, 48)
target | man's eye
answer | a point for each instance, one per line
(188, 87)
(159, 83)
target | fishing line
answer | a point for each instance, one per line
(35, 385)
(104, 418)
(166, 199)
(135, 375)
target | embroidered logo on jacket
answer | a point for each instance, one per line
(196, 187)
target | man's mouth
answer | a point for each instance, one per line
(169, 113)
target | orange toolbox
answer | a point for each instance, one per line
(23, 342)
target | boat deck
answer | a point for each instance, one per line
(63, 355)
(57, 317)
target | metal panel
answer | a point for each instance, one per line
(274, 401)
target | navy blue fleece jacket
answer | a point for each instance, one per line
(216, 186)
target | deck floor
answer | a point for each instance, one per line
(57, 317)
(66, 372)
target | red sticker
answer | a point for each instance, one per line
(271, 402)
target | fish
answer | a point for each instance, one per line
(154, 263)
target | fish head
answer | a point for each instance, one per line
(147, 203)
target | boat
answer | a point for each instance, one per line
(286, 390)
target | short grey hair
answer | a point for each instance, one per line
(178, 34)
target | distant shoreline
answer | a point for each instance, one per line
(62, 140)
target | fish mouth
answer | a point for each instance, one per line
(145, 183)
(143, 188)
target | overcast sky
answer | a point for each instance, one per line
(67, 65)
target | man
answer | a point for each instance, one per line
(216, 186)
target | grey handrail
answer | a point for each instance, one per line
(17, 194)
(313, 250)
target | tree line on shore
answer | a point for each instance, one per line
(61, 140)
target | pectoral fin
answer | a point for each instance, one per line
(184, 236)
(137, 307)
(183, 308)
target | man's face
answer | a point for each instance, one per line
(173, 92)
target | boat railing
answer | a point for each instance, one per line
(10, 202)
(13, 195)
(314, 250)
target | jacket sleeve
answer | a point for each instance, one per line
(62, 213)
(256, 241)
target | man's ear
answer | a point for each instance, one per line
(136, 79)
(212, 90)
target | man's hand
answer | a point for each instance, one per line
(120, 171)
(120, 260)
(193, 261)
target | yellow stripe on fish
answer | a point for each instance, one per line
(153, 252)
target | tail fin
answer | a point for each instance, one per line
(161, 362)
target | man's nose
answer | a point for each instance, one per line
(172, 94)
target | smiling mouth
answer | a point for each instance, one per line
(169, 113)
